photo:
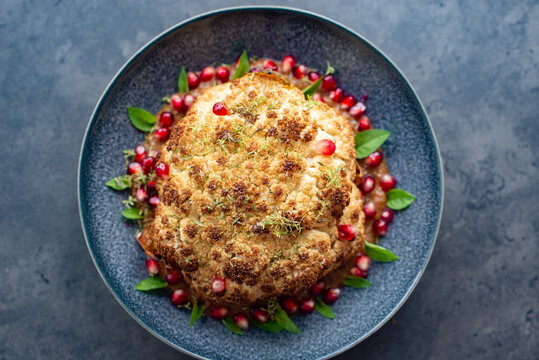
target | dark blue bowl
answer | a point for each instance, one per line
(218, 37)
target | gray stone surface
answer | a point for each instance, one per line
(474, 65)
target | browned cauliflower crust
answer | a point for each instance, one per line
(248, 198)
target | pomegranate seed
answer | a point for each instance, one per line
(314, 75)
(269, 64)
(193, 80)
(299, 71)
(364, 123)
(318, 97)
(161, 170)
(207, 73)
(218, 285)
(358, 110)
(332, 295)
(222, 74)
(307, 305)
(374, 159)
(379, 227)
(325, 147)
(290, 305)
(178, 297)
(288, 63)
(336, 95)
(259, 315)
(141, 195)
(346, 232)
(188, 100)
(219, 312)
(177, 103)
(348, 102)
(162, 134)
(152, 266)
(318, 288)
(370, 210)
(150, 185)
(367, 185)
(166, 119)
(387, 182)
(329, 82)
(140, 153)
(242, 321)
(154, 200)
(148, 164)
(364, 97)
(173, 278)
(220, 109)
(134, 168)
(387, 215)
(355, 271)
(363, 262)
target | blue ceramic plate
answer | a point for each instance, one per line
(218, 37)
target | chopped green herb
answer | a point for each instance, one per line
(368, 141)
(151, 283)
(323, 309)
(141, 119)
(229, 323)
(183, 84)
(398, 199)
(379, 253)
(243, 66)
(196, 313)
(165, 100)
(281, 225)
(332, 176)
(357, 282)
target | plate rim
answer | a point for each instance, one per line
(155, 39)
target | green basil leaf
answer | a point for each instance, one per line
(270, 326)
(229, 323)
(311, 89)
(119, 182)
(183, 83)
(151, 283)
(357, 282)
(197, 312)
(323, 309)
(243, 66)
(368, 141)
(141, 119)
(282, 319)
(132, 214)
(398, 199)
(379, 253)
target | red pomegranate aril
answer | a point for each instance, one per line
(154, 200)
(387, 182)
(290, 305)
(363, 262)
(220, 109)
(379, 227)
(173, 278)
(148, 164)
(318, 97)
(329, 82)
(241, 321)
(364, 123)
(188, 100)
(288, 63)
(141, 195)
(177, 103)
(370, 210)
(150, 185)
(299, 71)
(161, 134)
(207, 73)
(307, 305)
(346, 232)
(218, 285)
(161, 170)
(134, 168)
(222, 74)
(318, 288)
(364, 98)
(219, 312)
(152, 266)
(259, 315)
(313, 75)
(270, 64)
(358, 110)
(166, 119)
(332, 295)
(140, 153)
(193, 80)
(387, 215)
(348, 102)
(178, 297)
(325, 147)
(336, 95)
(374, 159)
(367, 185)
(355, 271)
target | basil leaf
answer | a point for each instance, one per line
(197, 312)
(151, 283)
(323, 309)
(311, 89)
(357, 282)
(229, 323)
(119, 182)
(270, 326)
(132, 214)
(368, 141)
(379, 253)
(243, 66)
(141, 119)
(183, 83)
(398, 199)
(282, 319)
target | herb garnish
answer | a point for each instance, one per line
(119, 182)
(281, 317)
(311, 89)
(332, 176)
(271, 326)
(379, 253)
(398, 199)
(323, 309)
(196, 313)
(281, 225)
(243, 66)
(368, 141)
(132, 214)
(183, 83)
(151, 283)
(141, 119)
(357, 282)
(229, 323)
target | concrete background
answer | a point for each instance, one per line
(474, 65)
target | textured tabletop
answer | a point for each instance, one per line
(473, 64)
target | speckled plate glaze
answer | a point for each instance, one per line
(218, 37)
